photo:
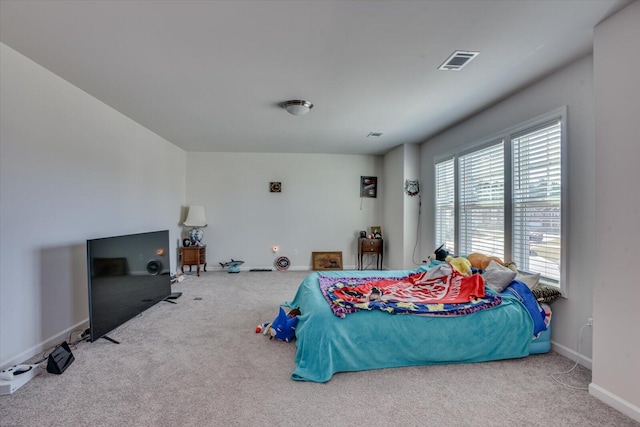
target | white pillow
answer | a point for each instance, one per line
(498, 279)
(528, 279)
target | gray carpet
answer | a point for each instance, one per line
(200, 363)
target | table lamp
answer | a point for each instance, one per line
(197, 220)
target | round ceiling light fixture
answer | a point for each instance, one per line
(297, 107)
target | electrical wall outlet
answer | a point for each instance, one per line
(295, 252)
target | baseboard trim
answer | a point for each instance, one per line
(43, 345)
(571, 354)
(292, 268)
(272, 268)
(614, 401)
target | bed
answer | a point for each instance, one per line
(364, 340)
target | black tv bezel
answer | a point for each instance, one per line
(93, 336)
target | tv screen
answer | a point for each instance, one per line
(127, 275)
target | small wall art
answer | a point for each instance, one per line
(368, 186)
(275, 187)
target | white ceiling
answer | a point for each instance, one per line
(211, 75)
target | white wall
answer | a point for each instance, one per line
(411, 207)
(393, 230)
(319, 208)
(616, 322)
(571, 86)
(71, 169)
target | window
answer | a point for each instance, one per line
(481, 201)
(445, 214)
(504, 198)
(536, 201)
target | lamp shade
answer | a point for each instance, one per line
(195, 217)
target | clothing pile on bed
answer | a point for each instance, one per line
(441, 290)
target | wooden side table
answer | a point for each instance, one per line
(372, 247)
(193, 255)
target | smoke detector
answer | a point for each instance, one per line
(458, 60)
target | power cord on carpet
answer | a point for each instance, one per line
(84, 336)
(553, 375)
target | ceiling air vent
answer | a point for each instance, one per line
(458, 60)
(374, 135)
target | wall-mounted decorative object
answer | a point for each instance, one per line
(412, 187)
(327, 260)
(275, 187)
(376, 231)
(368, 186)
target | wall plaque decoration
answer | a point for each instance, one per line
(412, 187)
(275, 187)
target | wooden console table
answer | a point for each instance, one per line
(371, 247)
(193, 255)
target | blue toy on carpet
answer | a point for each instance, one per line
(233, 265)
(283, 327)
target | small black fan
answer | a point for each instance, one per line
(283, 263)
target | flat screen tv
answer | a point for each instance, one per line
(127, 275)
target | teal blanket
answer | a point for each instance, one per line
(367, 340)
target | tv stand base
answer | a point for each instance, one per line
(174, 295)
(110, 339)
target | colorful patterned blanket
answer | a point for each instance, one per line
(422, 293)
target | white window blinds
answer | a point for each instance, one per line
(536, 200)
(445, 205)
(481, 201)
(504, 198)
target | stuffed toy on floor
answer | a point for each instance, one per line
(283, 327)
